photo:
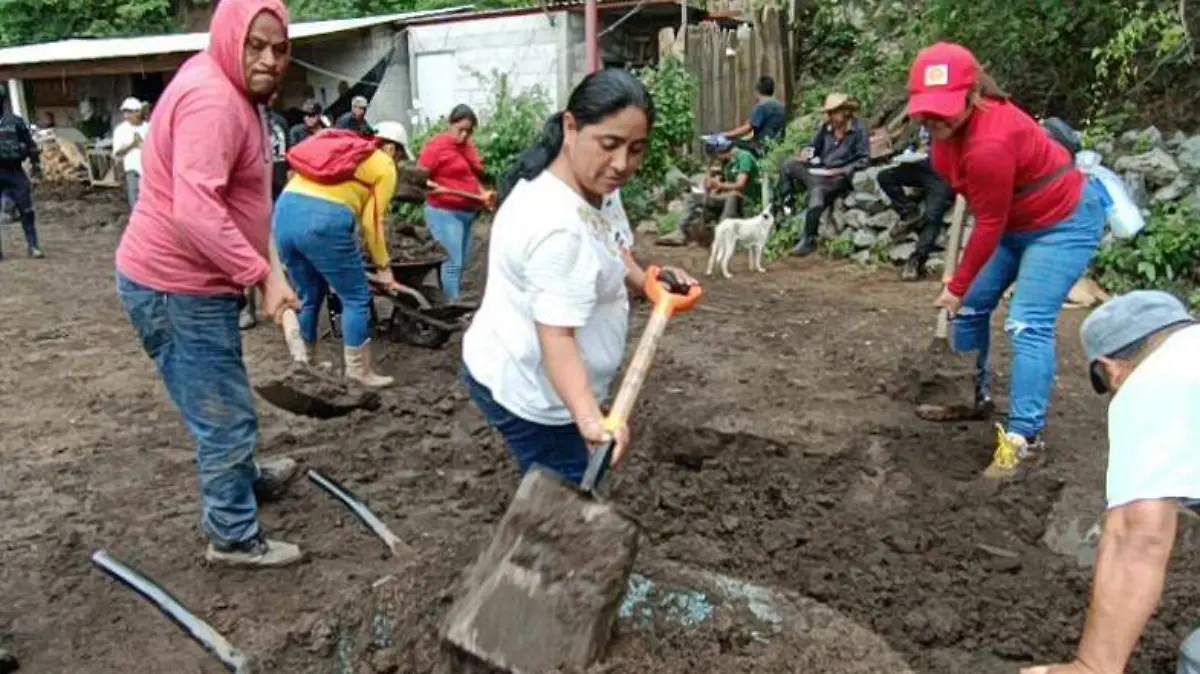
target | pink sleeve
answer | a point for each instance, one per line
(206, 148)
(991, 175)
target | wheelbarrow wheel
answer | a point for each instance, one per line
(419, 334)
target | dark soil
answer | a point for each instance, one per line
(772, 444)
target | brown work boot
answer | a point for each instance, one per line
(1015, 455)
(360, 369)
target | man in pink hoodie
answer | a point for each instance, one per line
(197, 238)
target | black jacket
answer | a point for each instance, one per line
(853, 151)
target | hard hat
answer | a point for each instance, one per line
(131, 104)
(396, 133)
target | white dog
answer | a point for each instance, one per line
(752, 233)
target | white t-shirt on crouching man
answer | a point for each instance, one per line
(554, 259)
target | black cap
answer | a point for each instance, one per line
(311, 107)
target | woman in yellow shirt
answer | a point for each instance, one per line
(318, 226)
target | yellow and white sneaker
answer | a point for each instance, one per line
(1015, 454)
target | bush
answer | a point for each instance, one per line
(674, 91)
(1164, 256)
(508, 125)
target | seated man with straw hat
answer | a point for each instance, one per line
(826, 166)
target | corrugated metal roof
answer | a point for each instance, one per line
(149, 45)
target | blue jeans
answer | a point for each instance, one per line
(318, 243)
(195, 342)
(1045, 265)
(560, 448)
(132, 184)
(452, 229)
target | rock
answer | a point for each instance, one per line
(902, 252)
(676, 179)
(883, 221)
(1173, 192)
(867, 181)
(1172, 144)
(935, 264)
(385, 661)
(871, 203)
(677, 205)
(1105, 148)
(1189, 155)
(647, 227)
(850, 219)
(1141, 141)
(1193, 202)
(862, 257)
(1135, 184)
(1157, 166)
(827, 230)
(864, 238)
(673, 238)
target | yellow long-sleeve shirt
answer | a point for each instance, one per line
(369, 204)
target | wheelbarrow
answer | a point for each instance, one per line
(420, 314)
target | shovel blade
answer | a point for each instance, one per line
(546, 592)
(307, 393)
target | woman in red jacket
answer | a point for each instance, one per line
(455, 168)
(1038, 222)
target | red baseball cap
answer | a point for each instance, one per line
(940, 78)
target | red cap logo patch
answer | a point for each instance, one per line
(937, 75)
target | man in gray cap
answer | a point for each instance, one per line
(1144, 349)
(356, 119)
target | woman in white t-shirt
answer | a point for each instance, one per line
(550, 333)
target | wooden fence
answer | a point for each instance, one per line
(728, 63)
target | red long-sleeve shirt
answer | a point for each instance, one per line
(453, 166)
(1001, 151)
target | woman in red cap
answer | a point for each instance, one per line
(1038, 222)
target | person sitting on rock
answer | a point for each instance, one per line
(826, 167)
(724, 195)
(768, 119)
(1141, 348)
(915, 171)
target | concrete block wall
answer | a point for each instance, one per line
(529, 49)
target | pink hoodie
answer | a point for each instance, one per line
(203, 219)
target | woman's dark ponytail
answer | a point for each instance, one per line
(536, 159)
(600, 95)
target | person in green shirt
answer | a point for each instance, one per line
(724, 196)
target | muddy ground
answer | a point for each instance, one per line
(772, 446)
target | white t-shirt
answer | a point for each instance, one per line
(123, 138)
(552, 259)
(1154, 425)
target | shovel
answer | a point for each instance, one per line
(545, 594)
(302, 390)
(947, 390)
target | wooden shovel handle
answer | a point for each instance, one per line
(953, 249)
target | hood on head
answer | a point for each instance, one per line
(229, 28)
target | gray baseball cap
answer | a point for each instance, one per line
(1123, 321)
(359, 102)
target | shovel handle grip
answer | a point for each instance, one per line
(953, 248)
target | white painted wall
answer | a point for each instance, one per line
(350, 58)
(528, 48)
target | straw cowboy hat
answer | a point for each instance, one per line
(838, 102)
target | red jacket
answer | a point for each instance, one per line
(454, 166)
(1001, 151)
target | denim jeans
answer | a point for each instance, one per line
(1045, 265)
(318, 243)
(452, 229)
(560, 448)
(132, 184)
(197, 347)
